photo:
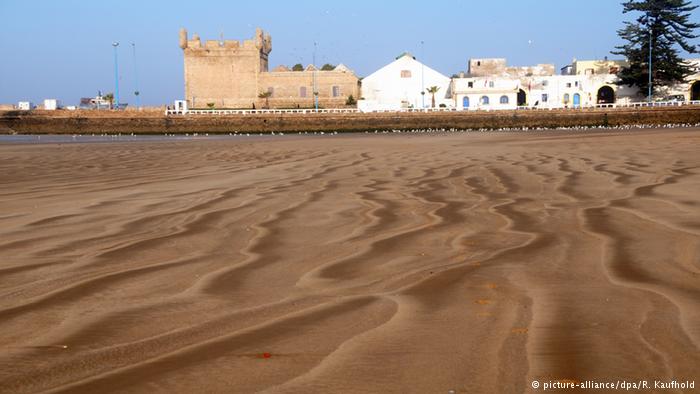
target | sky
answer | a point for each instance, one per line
(63, 49)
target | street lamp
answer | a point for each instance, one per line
(422, 78)
(314, 79)
(116, 74)
(136, 79)
(650, 52)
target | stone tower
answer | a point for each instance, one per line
(225, 73)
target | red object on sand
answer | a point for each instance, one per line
(266, 355)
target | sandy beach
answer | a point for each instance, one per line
(465, 262)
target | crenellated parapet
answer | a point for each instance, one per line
(261, 42)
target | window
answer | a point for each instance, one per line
(576, 83)
(545, 97)
(470, 84)
(302, 91)
(568, 84)
(566, 98)
(490, 84)
(504, 99)
(485, 100)
(478, 63)
(336, 91)
(405, 73)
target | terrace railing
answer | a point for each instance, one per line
(482, 108)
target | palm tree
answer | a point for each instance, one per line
(266, 96)
(109, 97)
(432, 90)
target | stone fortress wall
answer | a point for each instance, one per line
(232, 74)
(84, 122)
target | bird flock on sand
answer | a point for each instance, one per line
(407, 131)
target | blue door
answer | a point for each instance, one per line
(465, 102)
(577, 100)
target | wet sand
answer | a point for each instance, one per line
(336, 264)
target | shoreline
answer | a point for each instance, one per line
(155, 122)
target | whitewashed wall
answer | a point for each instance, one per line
(501, 93)
(387, 89)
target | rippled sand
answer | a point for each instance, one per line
(467, 262)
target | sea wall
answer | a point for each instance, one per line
(80, 122)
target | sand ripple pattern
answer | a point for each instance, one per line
(392, 264)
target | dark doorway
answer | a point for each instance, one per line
(695, 91)
(606, 95)
(522, 98)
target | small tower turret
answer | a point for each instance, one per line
(183, 38)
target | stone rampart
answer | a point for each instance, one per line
(81, 122)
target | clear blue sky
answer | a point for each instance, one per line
(62, 49)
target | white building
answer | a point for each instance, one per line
(403, 84)
(180, 106)
(52, 104)
(25, 105)
(97, 102)
(575, 91)
(485, 93)
(689, 90)
(491, 84)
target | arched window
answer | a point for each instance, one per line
(485, 100)
(465, 102)
(566, 98)
(504, 99)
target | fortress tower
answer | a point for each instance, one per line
(231, 74)
(225, 73)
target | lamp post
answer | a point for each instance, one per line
(422, 78)
(116, 75)
(650, 52)
(314, 79)
(137, 93)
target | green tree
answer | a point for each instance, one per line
(665, 25)
(109, 97)
(266, 96)
(298, 67)
(327, 67)
(351, 100)
(432, 90)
